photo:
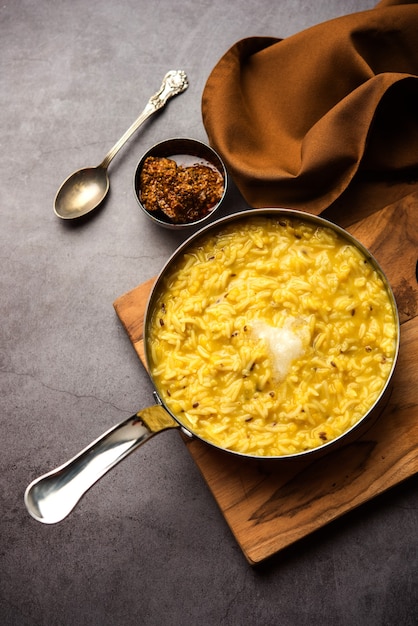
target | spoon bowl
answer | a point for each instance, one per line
(81, 192)
(84, 190)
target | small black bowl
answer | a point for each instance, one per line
(185, 152)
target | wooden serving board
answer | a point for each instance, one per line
(268, 506)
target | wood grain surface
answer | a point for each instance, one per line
(270, 505)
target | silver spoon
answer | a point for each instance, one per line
(51, 497)
(85, 189)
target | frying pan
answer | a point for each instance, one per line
(51, 497)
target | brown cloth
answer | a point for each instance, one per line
(300, 120)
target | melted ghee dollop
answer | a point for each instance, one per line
(284, 344)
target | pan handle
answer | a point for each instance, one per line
(51, 497)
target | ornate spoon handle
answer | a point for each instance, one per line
(174, 83)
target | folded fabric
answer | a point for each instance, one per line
(299, 120)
